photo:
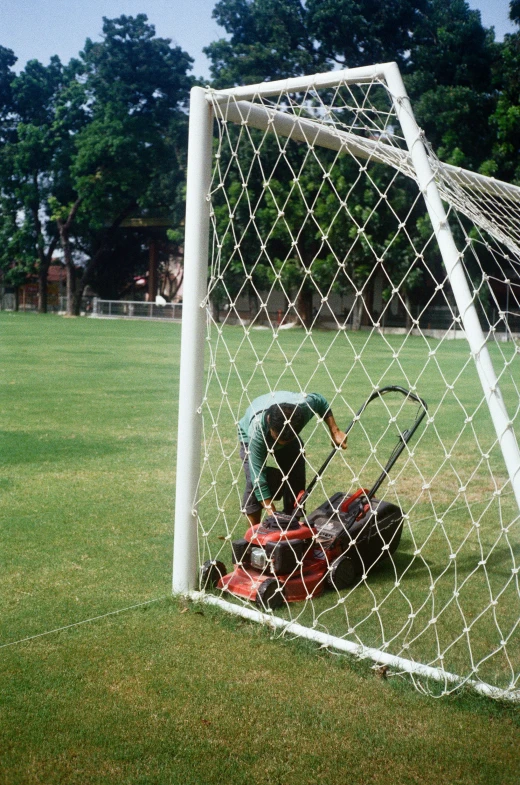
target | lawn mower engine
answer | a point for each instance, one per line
(291, 559)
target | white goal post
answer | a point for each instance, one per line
(273, 218)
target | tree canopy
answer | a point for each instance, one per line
(450, 61)
(90, 143)
(464, 89)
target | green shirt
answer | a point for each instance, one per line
(253, 430)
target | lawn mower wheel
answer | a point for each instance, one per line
(267, 596)
(210, 574)
(342, 573)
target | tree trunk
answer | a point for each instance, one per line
(43, 272)
(215, 309)
(357, 313)
(304, 297)
(71, 288)
(64, 230)
(43, 258)
(44, 261)
(408, 305)
(152, 270)
(304, 305)
(42, 287)
(253, 304)
(77, 298)
(367, 315)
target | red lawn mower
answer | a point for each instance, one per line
(289, 558)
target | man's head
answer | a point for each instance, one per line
(285, 422)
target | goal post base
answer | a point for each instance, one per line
(400, 664)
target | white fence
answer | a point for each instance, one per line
(124, 309)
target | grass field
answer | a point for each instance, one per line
(168, 692)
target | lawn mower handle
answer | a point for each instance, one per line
(403, 441)
(404, 438)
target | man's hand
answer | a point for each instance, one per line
(339, 439)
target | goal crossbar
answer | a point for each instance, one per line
(361, 75)
(312, 132)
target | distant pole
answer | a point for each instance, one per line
(152, 270)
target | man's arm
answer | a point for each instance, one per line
(338, 436)
(257, 465)
(257, 458)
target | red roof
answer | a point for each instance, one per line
(56, 273)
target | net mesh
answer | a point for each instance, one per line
(326, 277)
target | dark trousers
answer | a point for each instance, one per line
(291, 463)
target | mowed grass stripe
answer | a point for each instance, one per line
(87, 447)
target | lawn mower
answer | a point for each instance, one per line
(291, 557)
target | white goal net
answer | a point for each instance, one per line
(346, 259)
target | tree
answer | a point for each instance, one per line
(129, 155)
(84, 146)
(449, 79)
(361, 32)
(7, 60)
(124, 258)
(268, 39)
(446, 54)
(28, 154)
(505, 121)
(447, 58)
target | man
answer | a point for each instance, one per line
(271, 425)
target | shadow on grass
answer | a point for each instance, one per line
(501, 559)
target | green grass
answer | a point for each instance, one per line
(168, 693)
(87, 464)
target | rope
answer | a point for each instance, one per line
(84, 621)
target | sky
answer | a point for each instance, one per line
(41, 28)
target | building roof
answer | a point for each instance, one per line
(57, 273)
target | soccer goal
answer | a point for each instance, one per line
(329, 252)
